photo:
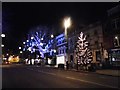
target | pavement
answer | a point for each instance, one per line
(109, 72)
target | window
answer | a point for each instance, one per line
(115, 23)
(63, 50)
(60, 52)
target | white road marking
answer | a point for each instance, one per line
(78, 79)
(91, 82)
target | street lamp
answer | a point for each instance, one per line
(21, 52)
(116, 37)
(23, 42)
(67, 24)
(2, 35)
(2, 45)
(19, 47)
(52, 36)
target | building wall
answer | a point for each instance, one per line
(112, 29)
(61, 47)
(94, 34)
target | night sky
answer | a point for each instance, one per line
(18, 18)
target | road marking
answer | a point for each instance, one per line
(91, 82)
(78, 79)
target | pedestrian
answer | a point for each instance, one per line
(67, 65)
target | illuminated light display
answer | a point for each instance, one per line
(49, 61)
(38, 44)
(60, 60)
(32, 37)
(13, 59)
(83, 53)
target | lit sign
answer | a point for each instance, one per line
(61, 60)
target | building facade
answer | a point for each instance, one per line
(112, 35)
(61, 49)
(94, 33)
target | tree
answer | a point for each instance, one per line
(38, 41)
(83, 53)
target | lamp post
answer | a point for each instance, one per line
(116, 37)
(67, 24)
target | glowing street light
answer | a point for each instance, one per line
(52, 36)
(21, 52)
(67, 23)
(116, 37)
(2, 35)
(118, 43)
(23, 42)
(2, 45)
(19, 47)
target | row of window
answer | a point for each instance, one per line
(115, 23)
(61, 51)
(61, 40)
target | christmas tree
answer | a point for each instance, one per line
(83, 53)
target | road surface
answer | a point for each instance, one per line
(22, 76)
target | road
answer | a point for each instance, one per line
(22, 76)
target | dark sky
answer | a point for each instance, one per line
(19, 17)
